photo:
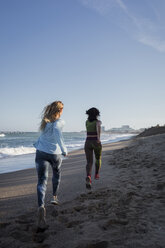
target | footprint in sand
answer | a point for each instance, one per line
(21, 235)
(100, 244)
(4, 224)
(111, 222)
(73, 224)
(39, 237)
(54, 213)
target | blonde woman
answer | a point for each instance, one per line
(49, 148)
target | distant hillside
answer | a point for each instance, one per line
(152, 131)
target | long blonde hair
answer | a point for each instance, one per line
(51, 113)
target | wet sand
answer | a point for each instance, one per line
(125, 208)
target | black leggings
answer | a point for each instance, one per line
(90, 147)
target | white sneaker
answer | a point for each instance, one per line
(55, 201)
(41, 218)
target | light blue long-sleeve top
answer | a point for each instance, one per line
(51, 139)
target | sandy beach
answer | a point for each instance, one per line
(125, 208)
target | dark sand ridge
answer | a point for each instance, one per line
(124, 209)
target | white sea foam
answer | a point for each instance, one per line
(14, 147)
(115, 137)
(22, 150)
(2, 135)
(11, 151)
(73, 147)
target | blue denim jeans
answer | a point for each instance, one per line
(43, 160)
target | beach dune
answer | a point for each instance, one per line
(125, 208)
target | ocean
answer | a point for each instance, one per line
(17, 151)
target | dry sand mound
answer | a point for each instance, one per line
(152, 131)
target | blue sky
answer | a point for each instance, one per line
(109, 54)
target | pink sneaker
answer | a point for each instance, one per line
(97, 176)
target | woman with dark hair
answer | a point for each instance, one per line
(93, 144)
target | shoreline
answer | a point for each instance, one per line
(125, 208)
(27, 161)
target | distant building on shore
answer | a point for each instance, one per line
(122, 129)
